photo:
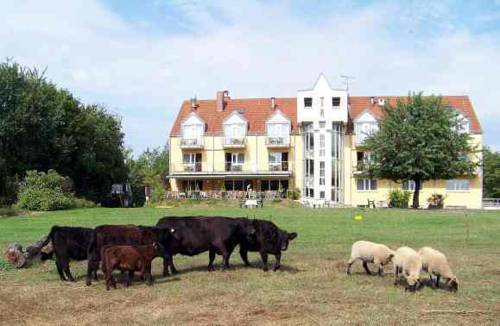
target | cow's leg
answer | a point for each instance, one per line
(226, 254)
(91, 270)
(68, 272)
(130, 277)
(277, 264)
(60, 270)
(244, 256)
(149, 277)
(263, 256)
(211, 258)
(367, 270)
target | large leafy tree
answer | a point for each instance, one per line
(491, 172)
(43, 127)
(419, 139)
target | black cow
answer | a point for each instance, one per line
(267, 239)
(125, 235)
(197, 234)
(70, 243)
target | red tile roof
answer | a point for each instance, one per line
(358, 104)
(258, 110)
(255, 110)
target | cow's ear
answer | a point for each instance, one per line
(292, 235)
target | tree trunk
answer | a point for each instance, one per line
(416, 194)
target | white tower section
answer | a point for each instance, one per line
(322, 113)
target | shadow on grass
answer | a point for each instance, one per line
(235, 267)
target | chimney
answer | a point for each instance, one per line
(372, 100)
(221, 97)
(194, 103)
(273, 103)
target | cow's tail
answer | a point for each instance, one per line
(50, 236)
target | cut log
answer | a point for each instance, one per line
(15, 255)
(35, 249)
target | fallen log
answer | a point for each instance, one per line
(19, 258)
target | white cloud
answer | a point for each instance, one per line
(253, 49)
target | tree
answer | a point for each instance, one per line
(149, 169)
(43, 127)
(491, 174)
(419, 140)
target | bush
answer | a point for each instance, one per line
(399, 198)
(293, 194)
(436, 201)
(49, 191)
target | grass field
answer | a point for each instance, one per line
(312, 288)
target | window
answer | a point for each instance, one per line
(236, 185)
(192, 185)
(335, 101)
(322, 194)
(322, 124)
(322, 173)
(363, 130)
(278, 161)
(321, 100)
(409, 185)
(463, 125)
(363, 160)
(234, 161)
(309, 192)
(308, 102)
(192, 162)
(321, 145)
(322, 113)
(458, 185)
(366, 184)
(273, 185)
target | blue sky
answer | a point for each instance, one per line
(142, 58)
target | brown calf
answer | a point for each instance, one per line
(129, 258)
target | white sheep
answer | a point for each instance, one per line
(407, 261)
(370, 252)
(434, 262)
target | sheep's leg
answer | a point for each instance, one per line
(432, 281)
(396, 274)
(380, 267)
(437, 281)
(365, 266)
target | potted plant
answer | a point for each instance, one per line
(436, 201)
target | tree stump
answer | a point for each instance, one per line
(15, 255)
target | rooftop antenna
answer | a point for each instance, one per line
(346, 79)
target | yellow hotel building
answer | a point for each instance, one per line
(312, 142)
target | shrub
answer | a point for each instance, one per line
(49, 191)
(399, 198)
(436, 201)
(293, 194)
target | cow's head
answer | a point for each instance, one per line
(285, 238)
(159, 249)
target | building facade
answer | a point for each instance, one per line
(313, 142)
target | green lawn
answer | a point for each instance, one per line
(312, 288)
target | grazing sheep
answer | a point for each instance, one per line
(435, 262)
(408, 262)
(370, 252)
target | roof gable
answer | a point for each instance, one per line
(278, 117)
(235, 118)
(193, 119)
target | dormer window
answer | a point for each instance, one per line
(278, 130)
(335, 101)
(308, 102)
(463, 124)
(235, 130)
(363, 130)
(193, 129)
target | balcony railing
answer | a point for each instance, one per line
(278, 141)
(234, 167)
(234, 142)
(278, 166)
(191, 142)
(192, 167)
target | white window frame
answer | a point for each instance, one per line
(322, 166)
(368, 184)
(322, 140)
(409, 185)
(458, 185)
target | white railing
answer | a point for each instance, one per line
(491, 203)
(279, 166)
(278, 141)
(192, 167)
(231, 141)
(192, 142)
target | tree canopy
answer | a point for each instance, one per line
(419, 139)
(491, 172)
(43, 127)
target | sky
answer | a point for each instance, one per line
(142, 58)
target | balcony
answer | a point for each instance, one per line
(278, 142)
(279, 166)
(191, 143)
(234, 167)
(192, 167)
(234, 142)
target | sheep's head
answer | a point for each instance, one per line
(413, 283)
(389, 257)
(452, 284)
